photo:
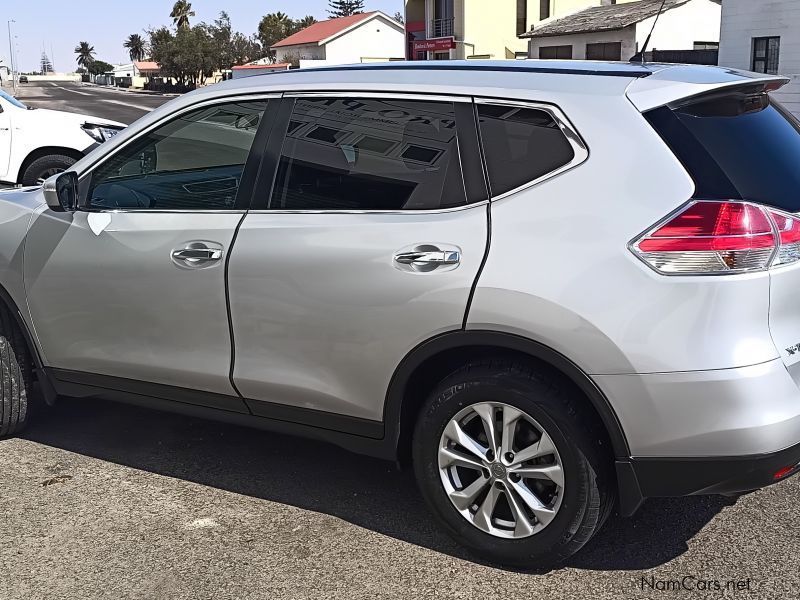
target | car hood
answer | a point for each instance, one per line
(62, 117)
(30, 197)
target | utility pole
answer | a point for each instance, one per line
(11, 56)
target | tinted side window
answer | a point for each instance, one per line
(521, 145)
(194, 162)
(369, 154)
(736, 147)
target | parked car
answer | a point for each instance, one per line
(547, 286)
(23, 79)
(38, 143)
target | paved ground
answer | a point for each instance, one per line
(99, 101)
(99, 500)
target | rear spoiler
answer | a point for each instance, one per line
(682, 82)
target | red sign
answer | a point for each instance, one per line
(434, 45)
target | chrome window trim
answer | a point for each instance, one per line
(219, 211)
(368, 212)
(579, 147)
(159, 123)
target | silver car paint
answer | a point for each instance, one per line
(576, 287)
(110, 300)
(16, 211)
(322, 316)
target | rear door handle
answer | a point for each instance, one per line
(437, 257)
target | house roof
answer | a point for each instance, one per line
(267, 66)
(602, 18)
(146, 65)
(322, 30)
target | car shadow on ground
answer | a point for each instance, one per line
(316, 476)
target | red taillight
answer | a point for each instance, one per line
(715, 237)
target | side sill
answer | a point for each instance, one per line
(357, 435)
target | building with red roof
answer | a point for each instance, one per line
(365, 37)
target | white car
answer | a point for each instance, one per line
(38, 143)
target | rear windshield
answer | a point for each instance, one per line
(737, 146)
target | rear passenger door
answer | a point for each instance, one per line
(365, 238)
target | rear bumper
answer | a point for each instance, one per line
(745, 411)
(641, 478)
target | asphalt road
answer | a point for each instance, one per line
(99, 101)
(100, 500)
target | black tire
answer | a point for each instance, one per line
(46, 166)
(15, 376)
(588, 480)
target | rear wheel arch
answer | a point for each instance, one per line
(434, 359)
(38, 153)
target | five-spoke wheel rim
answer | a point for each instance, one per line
(501, 470)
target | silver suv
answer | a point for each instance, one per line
(548, 286)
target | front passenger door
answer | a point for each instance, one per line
(132, 286)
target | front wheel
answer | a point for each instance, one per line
(510, 464)
(15, 376)
(45, 167)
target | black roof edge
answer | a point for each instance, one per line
(438, 66)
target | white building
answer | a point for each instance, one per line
(764, 37)
(365, 37)
(618, 31)
(134, 74)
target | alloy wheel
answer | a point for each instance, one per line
(501, 470)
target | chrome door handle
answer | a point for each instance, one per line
(197, 254)
(437, 257)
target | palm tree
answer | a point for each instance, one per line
(273, 28)
(181, 12)
(136, 46)
(85, 54)
(306, 21)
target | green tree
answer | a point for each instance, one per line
(273, 28)
(181, 11)
(85, 54)
(345, 8)
(300, 24)
(98, 67)
(245, 49)
(398, 16)
(188, 55)
(221, 33)
(136, 46)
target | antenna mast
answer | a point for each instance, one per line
(652, 29)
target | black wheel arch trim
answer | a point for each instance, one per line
(48, 391)
(464, 338)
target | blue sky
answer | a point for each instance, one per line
(105, 24)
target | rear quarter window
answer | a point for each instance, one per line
(521, 145)
(738, 147)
